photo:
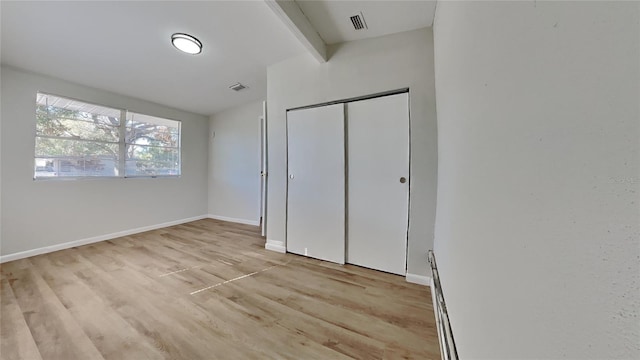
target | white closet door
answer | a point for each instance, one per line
(378, 182)
(316, 183)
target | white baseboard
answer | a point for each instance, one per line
(70, 244)
(275, 245)
(418, 279)
(239, 221)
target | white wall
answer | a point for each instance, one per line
(354, 69)
(234, 163)
(36, 214)
(0, 164)
(537, 231)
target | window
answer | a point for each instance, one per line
(78, 139)
(75, 139)
(153, 146)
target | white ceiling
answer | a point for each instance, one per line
(331, 18)
(124, 47)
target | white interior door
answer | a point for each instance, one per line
(316, 182)
(378, 182)
(263, 169)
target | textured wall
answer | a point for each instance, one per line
(538, 219)
(234, 163)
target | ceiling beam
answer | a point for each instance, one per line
(292, 16)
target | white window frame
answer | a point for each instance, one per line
(122, 146)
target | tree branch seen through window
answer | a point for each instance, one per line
(78, 139)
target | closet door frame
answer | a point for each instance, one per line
(346, 101)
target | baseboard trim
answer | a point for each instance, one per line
(91, 240)
(275, 245)
(419, 279)
(239, 221)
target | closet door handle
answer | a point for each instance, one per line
(403, 180)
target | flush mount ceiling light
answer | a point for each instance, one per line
(186, 43)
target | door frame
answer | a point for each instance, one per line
(352, 99)
(263, 170)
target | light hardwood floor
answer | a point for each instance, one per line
(207, 290)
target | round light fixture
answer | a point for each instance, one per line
(186, 43)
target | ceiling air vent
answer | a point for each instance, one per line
(237, 87)
(358, 21)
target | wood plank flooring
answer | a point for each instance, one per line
(207, 290)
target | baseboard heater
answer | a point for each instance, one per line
(445, 333)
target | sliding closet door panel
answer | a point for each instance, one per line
(378, 182)
(316, 183)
